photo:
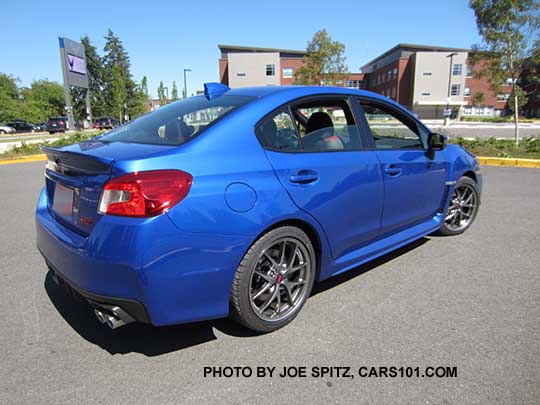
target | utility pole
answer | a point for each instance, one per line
(185, 82)
(447, 111)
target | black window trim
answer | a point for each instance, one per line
(347, 98)
(400, 114)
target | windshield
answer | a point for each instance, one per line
(176, 123)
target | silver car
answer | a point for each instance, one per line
(4, 129)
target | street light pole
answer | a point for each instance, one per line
(447, 111)
(185, 82)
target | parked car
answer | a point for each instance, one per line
(57, 124)
(41, 127)
(22, 126)
(236, 202)
(6, 129)
(107, 123)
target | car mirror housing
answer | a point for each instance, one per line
(437, 142)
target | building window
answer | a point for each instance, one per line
(509, 81)
(466, 91)
(469, 71)
(456, 69)
(394, 92)
(455, 90)
(425, 94)
(389, 74)
(240, 74)
(503, 97)
(270, 70)
(288, 72)
(394, 73)
(382, 78)
(426, 74)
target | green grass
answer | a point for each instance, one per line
(529, 148)
(27, 149)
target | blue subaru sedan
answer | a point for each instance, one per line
(236, 202)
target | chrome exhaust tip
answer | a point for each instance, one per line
(113, 322)
(100, 316)
(112, 316)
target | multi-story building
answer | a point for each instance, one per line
(242, 66)
(426, 79)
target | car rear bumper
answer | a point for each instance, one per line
(146, 266)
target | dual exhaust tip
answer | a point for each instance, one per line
(113, 317)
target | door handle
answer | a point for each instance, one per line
(392, 170)
(304, 177)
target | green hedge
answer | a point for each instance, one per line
(528, 148)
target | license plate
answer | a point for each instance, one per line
(53, 125)
(63, 201)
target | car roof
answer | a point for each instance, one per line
(300, 91)
(261, 91)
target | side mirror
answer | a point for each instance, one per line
(437, 142)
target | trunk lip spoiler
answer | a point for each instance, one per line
(63, 161)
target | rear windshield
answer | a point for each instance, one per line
(176, 123)
(57, 119)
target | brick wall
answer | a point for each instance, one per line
(476, 84)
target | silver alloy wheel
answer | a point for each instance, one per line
(462, 209)
(279, 281)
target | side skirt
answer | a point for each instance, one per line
(383, 246)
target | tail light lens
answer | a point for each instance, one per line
(144, 194)
(61, 122)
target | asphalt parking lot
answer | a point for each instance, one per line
(471, 301)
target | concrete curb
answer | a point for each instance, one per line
(509, 162)
(484, 161)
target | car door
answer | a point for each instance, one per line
(325, 169)
(414, 183)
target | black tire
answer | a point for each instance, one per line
(258, 261)
(448, 228)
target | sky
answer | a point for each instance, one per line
(165, 37)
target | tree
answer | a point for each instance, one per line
(174, 92)
(118, 92)
(521, 98)
(43, 99)
(324, 61)
(144, 87)
(10, 102)
(116, 57)
(506, 27)
(96, 78)
(161, 94)
(478, 98)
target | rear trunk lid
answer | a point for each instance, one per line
(75, 175)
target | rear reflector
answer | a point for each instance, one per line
(144, 194)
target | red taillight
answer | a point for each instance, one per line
(144, 194)
(61, 122)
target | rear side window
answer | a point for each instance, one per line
(176, 123)
(314, 126)
(278, 132)
(326, 125)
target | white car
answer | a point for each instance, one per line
(4, 129)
